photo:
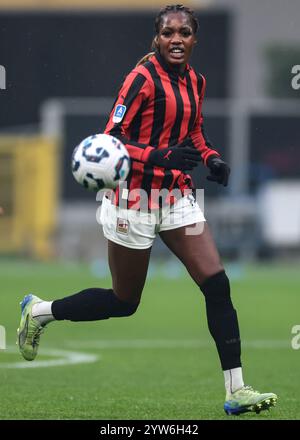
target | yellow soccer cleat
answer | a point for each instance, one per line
(30, 330)
(247, 399)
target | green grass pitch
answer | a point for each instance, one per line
(158, 364)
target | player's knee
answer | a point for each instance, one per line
(125, 307)
(216, 288)
(129, 296)
(130, 308)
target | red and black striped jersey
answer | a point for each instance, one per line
(156, 107)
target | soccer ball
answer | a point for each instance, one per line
(100, 161)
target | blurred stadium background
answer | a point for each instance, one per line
(64, 61)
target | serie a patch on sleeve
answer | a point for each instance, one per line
(119, 113)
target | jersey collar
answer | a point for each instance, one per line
(172, 72)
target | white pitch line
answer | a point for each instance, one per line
(64, 357)
(170, 343)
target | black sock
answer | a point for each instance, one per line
(92, 305)
(222, 320)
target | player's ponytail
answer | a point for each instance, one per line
(154, 47)
(145, 58)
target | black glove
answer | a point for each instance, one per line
(180, 157)
(219, 170)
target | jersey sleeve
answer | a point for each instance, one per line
(198, 135)
(133, 93)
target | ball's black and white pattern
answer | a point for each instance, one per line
(100, 161)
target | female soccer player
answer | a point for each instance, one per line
(157, 115)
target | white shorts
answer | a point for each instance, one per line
(137, 229)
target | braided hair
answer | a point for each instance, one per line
(158, 23)
(176, 8)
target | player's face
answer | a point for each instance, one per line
(176, 39)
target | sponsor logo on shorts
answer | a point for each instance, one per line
(122, 226)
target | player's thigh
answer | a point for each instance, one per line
(128, 269)
(198, 251)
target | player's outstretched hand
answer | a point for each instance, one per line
(180, 157)
(219, 171)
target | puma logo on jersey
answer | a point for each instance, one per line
(166, 156)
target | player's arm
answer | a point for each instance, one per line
(198, 135)
(133, 93)
(219, 170)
